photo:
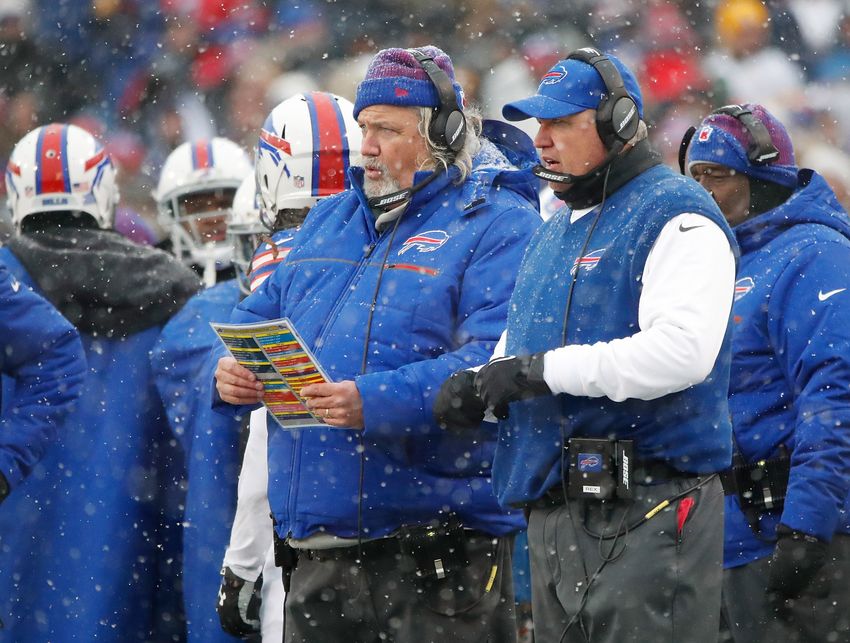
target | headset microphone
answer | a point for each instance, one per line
(542, 172)
(447, 129)
(387, 202)
(617, 116)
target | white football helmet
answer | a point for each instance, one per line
(245, 230)
(61, 168)
(194, 197)
(304, 150)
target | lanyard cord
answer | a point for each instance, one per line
(361, 447)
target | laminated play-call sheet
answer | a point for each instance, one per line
(275, 353)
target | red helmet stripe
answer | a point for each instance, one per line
(201, 156)
(94, 160)
(51, 165)
(329, 147)
(276, 142)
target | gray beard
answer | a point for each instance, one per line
(386, 185)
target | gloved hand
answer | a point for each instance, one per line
(508, 379)
(238, 604)
(796, 561)
(457, 405)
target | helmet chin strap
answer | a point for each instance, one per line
(542, 172)
(212, 257)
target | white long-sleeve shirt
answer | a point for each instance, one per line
(688, 285)
(251, 548)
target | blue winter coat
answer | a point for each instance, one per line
(790, 378)
(83, 540)
(42, 353)
(210, 442)
(441, 306)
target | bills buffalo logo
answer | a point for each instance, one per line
(425, 241)
(589, 462)
(554, 76)
(704, 134)
(743, 286)
(274, 145)
(588, 262)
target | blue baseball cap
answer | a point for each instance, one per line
(570, 87)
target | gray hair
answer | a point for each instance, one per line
(642, 133)
(439, 155)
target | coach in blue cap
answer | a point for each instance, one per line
(610, 380)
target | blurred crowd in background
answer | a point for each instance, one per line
(146, 75)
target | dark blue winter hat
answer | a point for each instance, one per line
(395, 77)
(570, 87)
(724, 140)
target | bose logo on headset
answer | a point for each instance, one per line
(627, 119)
(455, 134)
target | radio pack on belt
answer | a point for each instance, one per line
(600, 469)
(437, 550)
(759, 485)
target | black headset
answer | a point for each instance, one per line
(617, 117)
(448, 125)
(761, 150)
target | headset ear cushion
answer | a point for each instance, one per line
(455, 131)
(625, 118)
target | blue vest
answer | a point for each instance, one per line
(689, 429)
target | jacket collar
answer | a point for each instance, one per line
(505, 158)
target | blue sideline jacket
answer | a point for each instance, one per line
(449, 269)
(210, 442)
(42, 352)
(81, 537)
(790, 381)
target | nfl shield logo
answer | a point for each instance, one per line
(298, 181)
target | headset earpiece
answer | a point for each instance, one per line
(448, 125)
(617, 117)
(761, 149)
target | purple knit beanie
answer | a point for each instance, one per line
(723, 139)
(395, 77)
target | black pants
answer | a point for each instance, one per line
(747, 617)
(333, 597)
(661, 581)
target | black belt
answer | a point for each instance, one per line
(389, 545)
(646, 472)
(727, 480)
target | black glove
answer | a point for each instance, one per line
(457, 405)
(508, 379)
(238, 604)
(796, 561)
